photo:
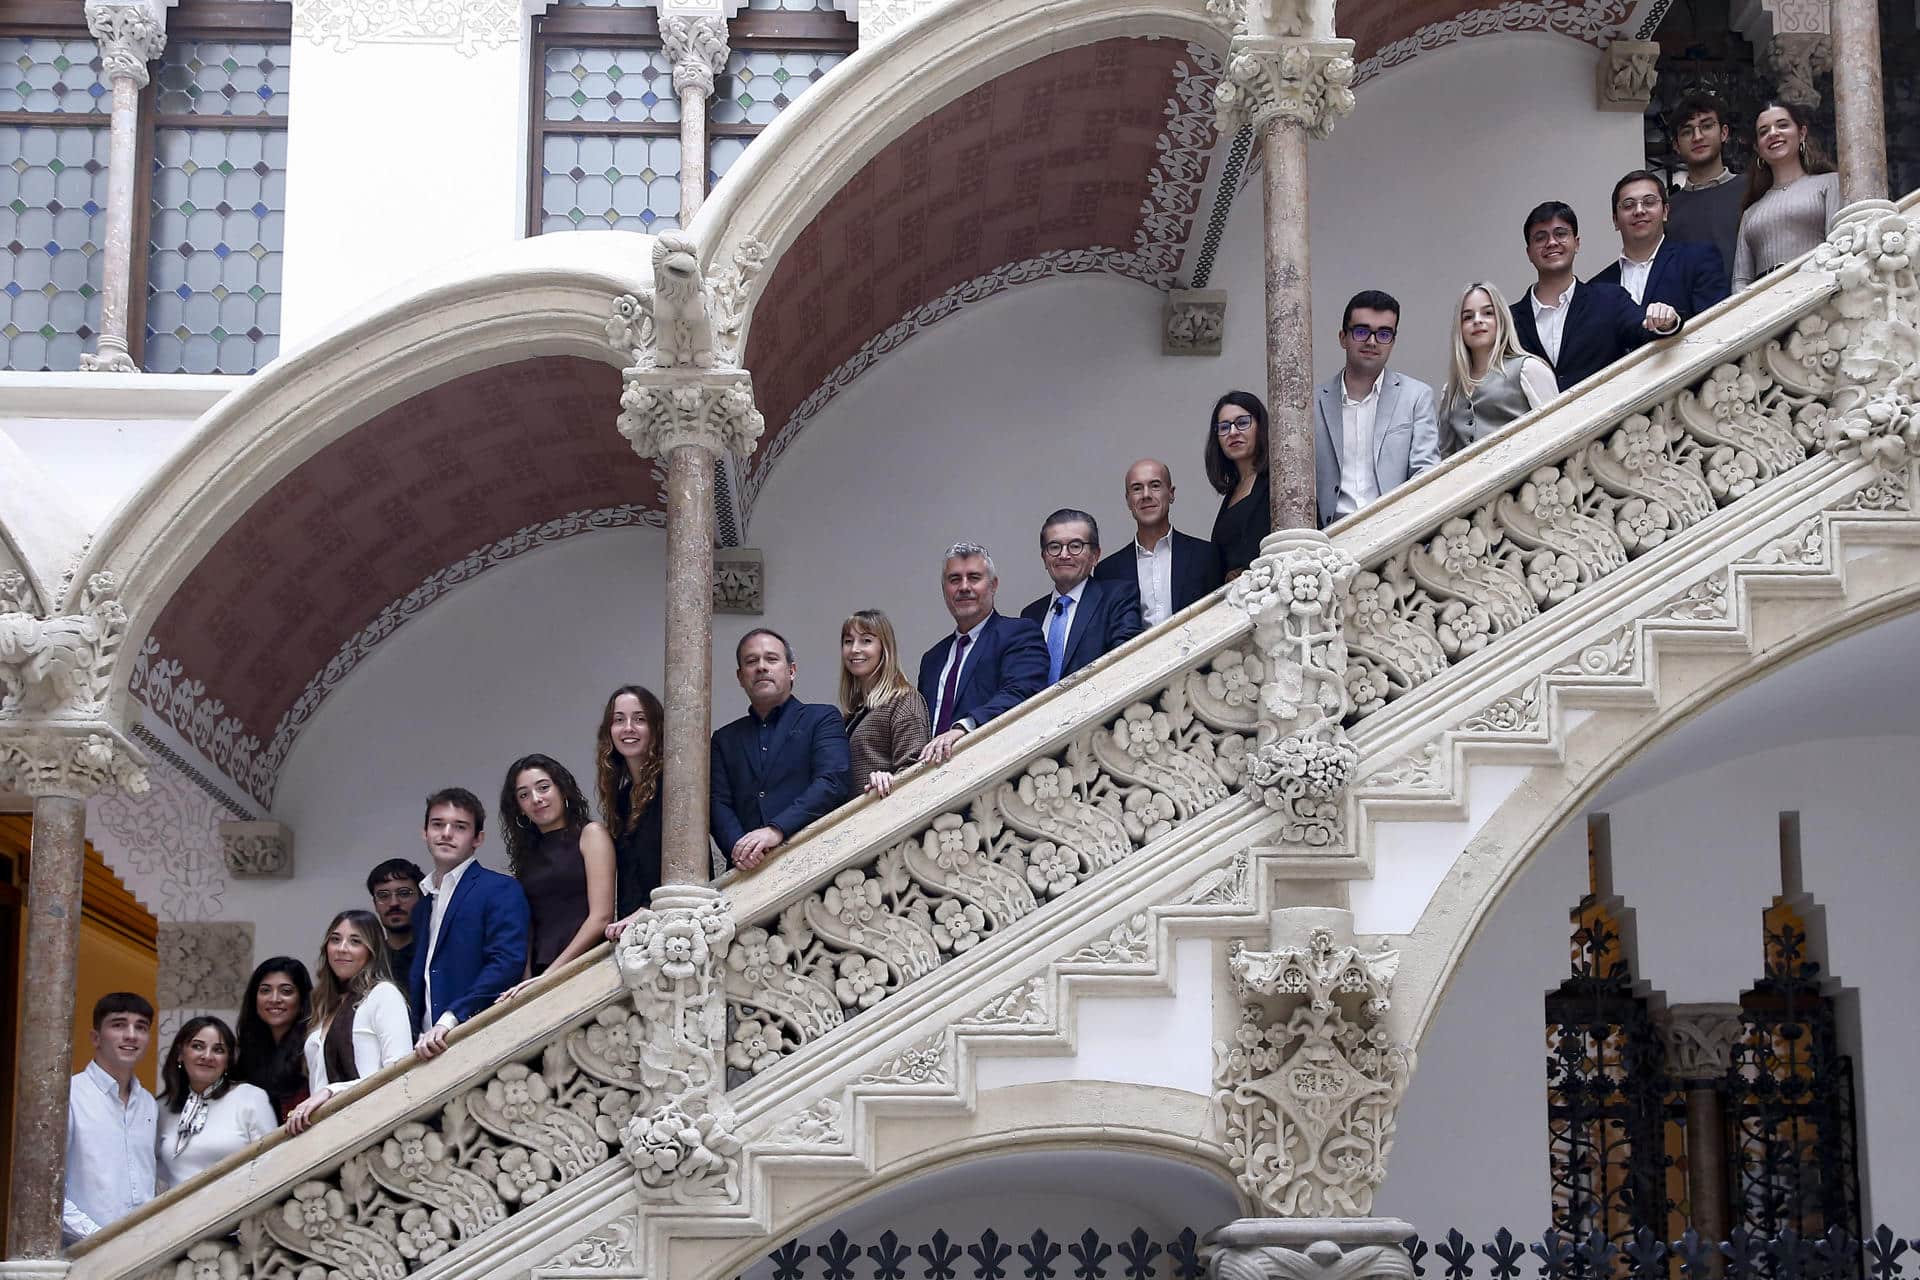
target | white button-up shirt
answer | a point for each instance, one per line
(1634, 275)
(1551, 322)
(442, 894)
(1155, 570)
(973, 642)
(110, 1148)
(1357, 484)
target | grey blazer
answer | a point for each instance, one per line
(1406, 437)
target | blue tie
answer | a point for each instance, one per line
(1057, 640)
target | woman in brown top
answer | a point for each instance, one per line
(887, 720)
(563, 861)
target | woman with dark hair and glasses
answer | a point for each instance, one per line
(563, 860)
(273, 1032)
(206, 1114)
(1237, 466)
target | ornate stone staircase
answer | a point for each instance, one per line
(1348, 728)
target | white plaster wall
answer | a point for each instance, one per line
(95, 464)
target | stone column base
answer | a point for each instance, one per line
(1310, 1249)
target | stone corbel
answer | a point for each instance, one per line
(1797, 60)
(257, 850)
(697, 46)
(1792, 42)
(1700, 1039)
(1626, 74)
(739, 580)
(1195, 322)
(1270, 79)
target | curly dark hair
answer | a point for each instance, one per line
(623, 798)
(521, 835)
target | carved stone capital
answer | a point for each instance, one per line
(109, 359)
(1868, 336)
(697, 46)
(257, 850)
(1195, 322)
(81, 760)
(1796, 60)
(130, 36)
(1307, 1090)
(661, 411)
(1311, 1249)
(739, 580)
(1296, 593)
(1307, 83)
(1700, 1039)
(1626, 75)
(684, 1148)
(57, 666)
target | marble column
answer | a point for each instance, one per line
(1289, 79)
(130, 36)
(1699, 1041)
(689, 654)
(697, 44)
(1859, 110)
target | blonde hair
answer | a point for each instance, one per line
(1506, 345)
(328, 997)
(889, 681)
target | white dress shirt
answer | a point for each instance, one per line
(442, 894)
(973, 642)
(1357, 484)
(381, 1037)
(109, 1152)
(1551, 322)
(234, 1121)
(1155, 570)
(1634, 275)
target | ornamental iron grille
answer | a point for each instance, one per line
(1139, 1255)
(1834, 1255)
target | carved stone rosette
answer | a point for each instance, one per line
(1311, 1249)
(1873, 328)
(1278, 78)
(684, 1149)
(130, 36)
(1296, 593)
(1700, 1039)
(1307, 1091)
(54, 673)
(697, 45)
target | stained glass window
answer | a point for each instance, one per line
(598, 183)
(53, 198)
(759, 84)
(794, 6)
(626, 85)
(778, 50)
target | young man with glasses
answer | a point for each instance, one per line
(1653, 266)
(1081, 618)
(1374, 430)
(1579, 329)
(1706, 199)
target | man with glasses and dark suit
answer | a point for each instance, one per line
(1579, 329)
(1373, 430)
(1082, 618)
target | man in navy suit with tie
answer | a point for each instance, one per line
(1080, 619)
(1168, 569)
(780, 766)
(989, 664)
(1579, 329)
(1652, 267)
(469, 927)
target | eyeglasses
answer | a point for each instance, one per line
(1559, 235)
(1700, 130)
(1649, 203)
(1077, 547)
(1367, 333)
(1227, 426)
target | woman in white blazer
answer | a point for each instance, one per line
(205, 1113)
(360, 1022)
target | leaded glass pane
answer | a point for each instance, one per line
(53, 215)
(625, 85)
(595, 183)
(218, 228)
(760, 83)
(605, 4)
(52, 75)
(721, 153)
(224, 78)
(792, 6)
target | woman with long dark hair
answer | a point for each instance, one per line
(563, 860)
(273, 1031)
(1237, 467)
(627, 769)
(205, 1113)
(360, 1024)
(1792, 193)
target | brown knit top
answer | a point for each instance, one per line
(887, 737)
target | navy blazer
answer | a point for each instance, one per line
(482, 949)
(1687, 277)
(801, 776)
(1196, 568)
(1107, 616)
(1006, 665)
(1603, 325)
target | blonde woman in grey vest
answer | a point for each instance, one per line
(1492, 380)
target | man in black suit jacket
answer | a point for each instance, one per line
(1653, 267)
(989, 664)
(1168, 569)
(780, 766)
(1579, 329)
(1080, 619)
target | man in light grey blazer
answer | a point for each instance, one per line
(1372, 429)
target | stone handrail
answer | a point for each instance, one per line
(543, 1092)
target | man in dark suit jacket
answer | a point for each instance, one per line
(1168, 569)
(1654, 267)
(1080, 619)
(989, 664)
(470, 928)
(1579, 329)
(780, 766)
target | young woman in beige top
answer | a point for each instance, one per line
(1792, 194)
(887, 720)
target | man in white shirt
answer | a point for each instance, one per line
(110, 1121)
(1374, 430)
(1579, 329)
(1654, 267)
(470, 930)
(1170, 569)
(1081, 619)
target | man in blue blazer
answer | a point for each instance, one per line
(1653, 268)
(1168, 570)
(780, 766)
(469, 927)
(1579, 329)
(1080, 619)
(989, 664)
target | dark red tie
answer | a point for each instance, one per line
(952, 685)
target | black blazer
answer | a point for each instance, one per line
(1604, 324)
(1107, 616)
(800, 777)
(1006, 665)
(1196, 568)
(1687, 277)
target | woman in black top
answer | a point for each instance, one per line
(1237, 466)
(273, 1032)
(627, 755)
(563, 860)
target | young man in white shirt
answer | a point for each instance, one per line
(110, 1121)
(1373, 430)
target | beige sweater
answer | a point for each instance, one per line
(1783, 224)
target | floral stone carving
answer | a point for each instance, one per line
(1312, 1249)
(59, 663)
(1307, 83)
(1872, 341)
(257, 850)
(1309, 1087)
